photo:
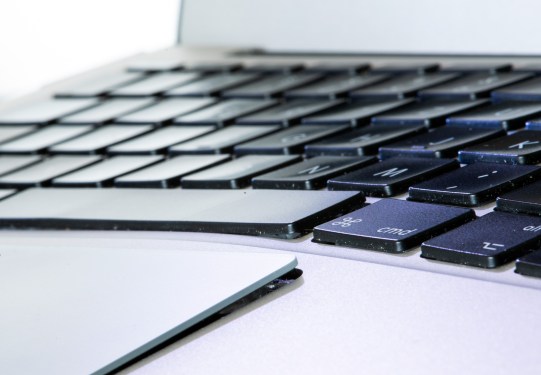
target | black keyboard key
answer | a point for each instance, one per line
(477, 68)
(159, 140)
(402, 86)
(391, 225)
(356, 113)
(98, 140)
(488, 242)
(529, 265)
(224, 112)
(236, 174)
(526, 200)
(271, 86)
(5, 193)
(10, 163)
(100, 85)
(41, 174)
(289, 141)
(288, 113)
(429, 114)
(44, 111)
(310, 174)
(334, 87)
(392, 177)
(167, 174)
(508, 116)
(106, 111)
(417, 68)
(212, 66)
(44, 138)
(269, 213)
(165, 110)
(440, 143)
(273, 68)
(362, 141)
(152, 64)
(529, 90)
(473, 86)
(534, 124)
(155, 84)
(350, 68)
(103, 173)
(212, 85)
(474, 184)
(519, 148)
(8, 133)
(223, 140)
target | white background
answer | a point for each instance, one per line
(46, 40)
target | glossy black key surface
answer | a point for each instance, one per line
(4, 193)
(477, 68)
(429, 114)
(334, 87)
(274, 68)
(212, 85)
(271, 86)
(473, 86)
(391, 177)
(7, 133)
(391, 225)
(418, 68)
(289, 141)
(165, 110)
(474, 184)
(288, 113)
(10, 163)
(534, 124)
(362, 141)
(237, 173)
(155, 84)
(529, 90)
(310, 174)
(44, 138)
(100, 85)
(402, 86)
(488, 242)
(42, 173)
(212, 66)
(223, 140)
(167, 174)
(98, 140)
(224, 112)
(522, 147)
(525, 200)
(529, 265)
(508, 116)
(338, 68)
(106, 111)
(104, 172)
(147, 64)
(356, 113)
(439, 143)
(269, 213)
(44, 111)
(159, 140)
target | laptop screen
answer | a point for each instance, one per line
(495, 27)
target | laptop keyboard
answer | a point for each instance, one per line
(281, 150)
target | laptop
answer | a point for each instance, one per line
(392, 148)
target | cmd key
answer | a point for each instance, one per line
(488, 242)
(526, 200)
(391, 225)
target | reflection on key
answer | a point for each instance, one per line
(103, 173)
(164, 111)
(42, 173)
(212, 85)
(100, 85)
(167, 174)
(8, 133)
(106, 112)
(40, 140)
(44, 111)
(99, 139)
(271, 87)
(236, 174)
(155, 84)
(334, 86)
(15, 162)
